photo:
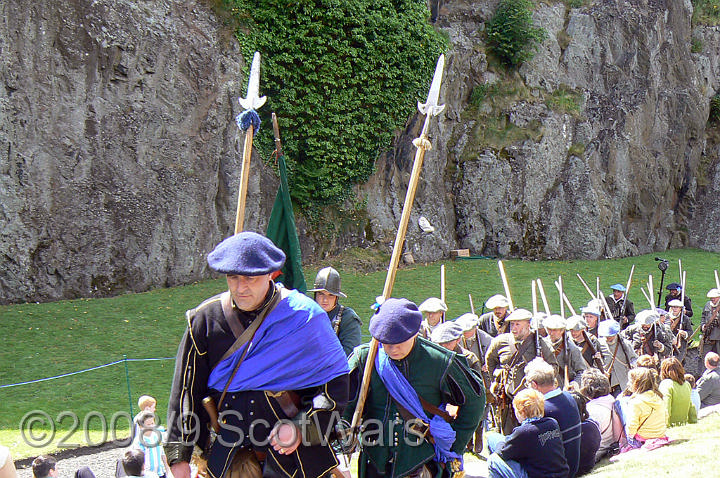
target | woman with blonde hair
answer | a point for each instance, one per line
(646, 411)
(676, 393)
(534, 449)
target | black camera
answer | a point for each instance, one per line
(663, 263)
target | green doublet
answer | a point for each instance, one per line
(437, 375)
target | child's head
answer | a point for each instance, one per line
(690, 378)
(134, 462)
(146, 402)
(647, 361)
(642, 379)
(146, 422)
(529, 403)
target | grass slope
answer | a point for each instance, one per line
(55, 338)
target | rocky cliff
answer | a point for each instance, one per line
(119, 154)
(118, 145)
(593, 149)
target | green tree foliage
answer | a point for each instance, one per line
(510, 32)
(343, 76)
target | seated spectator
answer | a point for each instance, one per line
(7, 465)
(646, 413)
(45, 466)
(590, 436)
(601, 408)
(708, 385)
(676, 393)
(559, 405)
(134, 463)
(150, 443)
(694, 395)
(534, 449)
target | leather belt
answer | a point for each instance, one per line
(289, 402)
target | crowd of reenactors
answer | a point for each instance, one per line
(268, 380)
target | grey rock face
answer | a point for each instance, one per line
(618, 178)
(118, 163)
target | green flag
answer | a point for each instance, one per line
(281, 230)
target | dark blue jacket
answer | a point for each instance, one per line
(562, 407)
(537, 445)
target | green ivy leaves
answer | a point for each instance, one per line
(342, 76)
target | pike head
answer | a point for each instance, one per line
(253, 101)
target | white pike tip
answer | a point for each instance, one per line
(431, 107)
(253, 101)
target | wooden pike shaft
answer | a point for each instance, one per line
(442, 282)
(717, 281)
(472, 304)
(543, 296)
(503, 276)
(244, 176)
(392, 271)
(682, 291)
(651, 290)
(533, 288)
(587, 287)
(646, 296)
(562, 302)
(565, 298)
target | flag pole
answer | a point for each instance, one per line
(429, 109)
(248, 121)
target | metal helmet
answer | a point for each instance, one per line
(328, 280)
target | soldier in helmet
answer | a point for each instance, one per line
(649, 337)
(675, 293)
(680, 326)
(621, 308)
(494, 322)
(345, 321)
(506, 359)
(568, 355)
(434, 310)
(591, 316)
(592, 350)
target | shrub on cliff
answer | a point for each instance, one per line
(343, 76)
(511, 36)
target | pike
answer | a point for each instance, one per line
(503, 276)
(564, 297)
(717, 280)
(627, 291)
(442, 288)
(430, 108)
(543, 296)
(250, 103)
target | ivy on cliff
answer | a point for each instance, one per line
(342, 76)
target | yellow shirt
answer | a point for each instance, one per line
(647, 416)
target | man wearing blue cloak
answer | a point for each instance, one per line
(259, 376)
(423, 405)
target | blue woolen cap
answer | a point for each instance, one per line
(619, 287)
(246, 254)
(396, 321)
(607, 328)
(674, 286)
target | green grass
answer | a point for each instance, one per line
(706, 12)
(693, 451)
(56, 338)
